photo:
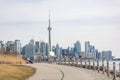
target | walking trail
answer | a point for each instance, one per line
(60, 72)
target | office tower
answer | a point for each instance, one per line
(57, 50)
(77, 48)
(10, 47)
(37, 46)
(87, 47)
(49, 33)
(23, 51)
(47, 49)
(64, 52)
(31, 42)
(100, 55)
(2, 47)
(106, 55)
(97, 54)
(53, 49)
(29, 50)
(37, 43)
(61, 51)
(90, 50)
(43, 48)
(72, 52)
(17, 47)
(68, 50)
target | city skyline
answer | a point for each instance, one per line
(33, 48)
(94, 21)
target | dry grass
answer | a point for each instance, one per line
(15, 72)
(11, 59)
(10, 71)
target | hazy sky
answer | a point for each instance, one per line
(97, 21)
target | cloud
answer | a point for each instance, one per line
(96, 20)
(21, 1)
(37, 10)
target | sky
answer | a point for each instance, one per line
(97, 21)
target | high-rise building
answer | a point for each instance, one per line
(72, 52)
(77, 48)
(29, 50)
(37, 46)
(106, 55)
(32, 41)
(53, 49)
(64, 52)
(68, 50)
(98, 55)
(43, 48)
(23, 51)
(2, 47)
(17, 47)
(47, 49)
(91, 51)
(13, 47)
(37, 43)
(61, 51)
(10, 47)
(87, 47)
(57, 50)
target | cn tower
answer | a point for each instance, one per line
(49, 33)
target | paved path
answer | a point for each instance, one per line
(61, 72)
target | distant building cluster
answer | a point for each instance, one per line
(90, 52)
(35, 49)
(93, 53)
(11, 47)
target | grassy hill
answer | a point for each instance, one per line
(15, 72)
(11, 70)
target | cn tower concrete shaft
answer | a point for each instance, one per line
(49, 32)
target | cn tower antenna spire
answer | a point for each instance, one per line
(49, 20)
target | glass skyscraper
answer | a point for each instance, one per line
(77, 48)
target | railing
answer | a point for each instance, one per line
(103, 67)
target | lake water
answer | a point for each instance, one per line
(105, 64)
